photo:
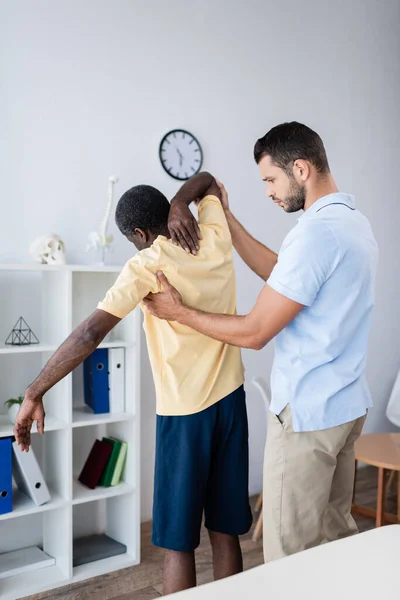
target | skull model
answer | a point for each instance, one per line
(48, 249)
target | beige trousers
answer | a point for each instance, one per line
(308, 485)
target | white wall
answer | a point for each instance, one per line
(89, 88)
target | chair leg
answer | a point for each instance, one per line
(391, 479)
(258, 528)
(380, 512)
(398, 496)
(258, 505)
(355, 480)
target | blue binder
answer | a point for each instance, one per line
(95, 377)
(5, 475)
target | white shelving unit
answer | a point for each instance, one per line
(53, 301)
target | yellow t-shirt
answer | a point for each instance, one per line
(191, 371)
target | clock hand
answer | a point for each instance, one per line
(180, 156)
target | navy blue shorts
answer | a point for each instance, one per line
(202, 466)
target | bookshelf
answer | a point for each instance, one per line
(53, 301)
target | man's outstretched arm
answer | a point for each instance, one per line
(272, 313)
(82, 342)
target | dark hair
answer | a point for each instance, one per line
(290, 141)
(142, 207)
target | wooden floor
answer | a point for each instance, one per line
(144, 582)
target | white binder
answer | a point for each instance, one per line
(116, 379)
(28, 476)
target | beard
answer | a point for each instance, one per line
(296, 198)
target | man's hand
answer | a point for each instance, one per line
(167, 304)
(183, 227)
(224, 195)
(30, 410)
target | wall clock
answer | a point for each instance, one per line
(180, 154)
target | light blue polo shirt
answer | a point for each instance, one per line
(328, 263)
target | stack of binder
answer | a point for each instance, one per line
(5, 476)
(104, 380)
(105, 463)
(27, 474)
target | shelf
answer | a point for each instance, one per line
(24, 349)
(50, 424)
(23, 505)
(65, 268)
(30, 583)
(116, 344)
(83, 494)
(99, 567)
(54, 300)
(84, 417)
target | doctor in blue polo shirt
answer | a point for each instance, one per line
(317, 305)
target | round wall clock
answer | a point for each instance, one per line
(180, 154)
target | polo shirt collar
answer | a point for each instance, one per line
(335, 198)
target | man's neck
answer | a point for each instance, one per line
(323, 187)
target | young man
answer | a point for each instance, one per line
(202, 434)
(317, 303)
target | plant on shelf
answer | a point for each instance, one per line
(12, 405)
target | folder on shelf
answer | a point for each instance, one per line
(119, 466)
(95, 464)
(116, 379)
(95, 373)
(96, 547)
(21, 561)
(5, 476)
(108, 472)
(28, 476)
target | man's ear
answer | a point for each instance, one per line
(142, 234)
(301, 170)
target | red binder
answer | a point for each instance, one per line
(95, 464)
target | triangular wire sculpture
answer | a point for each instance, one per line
(21, 335)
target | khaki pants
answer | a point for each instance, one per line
(308, 485)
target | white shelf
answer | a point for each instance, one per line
(99, 567)
(28, 583)
(50, 424)
(54, 300)
(62, 268)
(28, 348)
(83, 494)
(23, 505)
(116, 344)
(84, 417)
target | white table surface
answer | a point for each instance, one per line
(362, 567)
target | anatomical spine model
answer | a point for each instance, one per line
(100, 240)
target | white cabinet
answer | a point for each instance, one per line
(53, 301)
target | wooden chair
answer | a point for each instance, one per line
(262, 387)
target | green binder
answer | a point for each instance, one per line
(116, 478)
(112, 461)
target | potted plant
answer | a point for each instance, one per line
(12, 405)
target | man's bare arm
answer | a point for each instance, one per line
(271, 313)
(82, 342)
(258, 257)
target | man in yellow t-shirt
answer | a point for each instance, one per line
(202, 433)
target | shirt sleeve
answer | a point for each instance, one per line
(212, 216)
(307, 259)
(136, 280)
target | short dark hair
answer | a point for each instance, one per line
(289, 142)
(143, 207)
